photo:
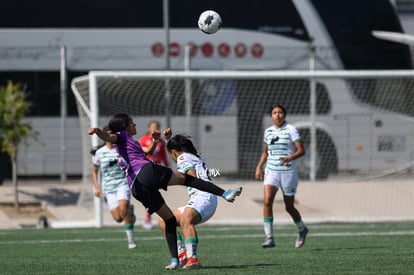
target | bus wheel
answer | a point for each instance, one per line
(326, 156)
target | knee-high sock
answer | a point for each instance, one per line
(203, 185)
(171, 236)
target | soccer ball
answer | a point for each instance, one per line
(209, 22)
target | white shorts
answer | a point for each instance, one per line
(112, 198)
(287, 181)
(204, 204)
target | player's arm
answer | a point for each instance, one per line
(149, 146)
(108, 137)
(262, 160)
(300, 151)
(167, 133)
(95, 170)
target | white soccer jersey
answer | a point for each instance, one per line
(186, 162)
(112, 177)
(280, 143)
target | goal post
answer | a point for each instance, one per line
(363, 120)
(336, 76)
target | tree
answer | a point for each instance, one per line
(13, 109)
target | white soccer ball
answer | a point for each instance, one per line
(209, 22)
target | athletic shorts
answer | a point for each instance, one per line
(112, 198)
(286, 181)
(204, 204)
(147, 183)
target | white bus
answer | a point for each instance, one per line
(259, 35)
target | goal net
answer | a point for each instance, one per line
(354, 124)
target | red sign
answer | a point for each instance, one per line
(157, 49)
(240, 50)
(174, 49)
(207, 49)
(257, 50)
(224, 50)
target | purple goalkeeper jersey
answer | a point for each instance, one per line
(131, 156)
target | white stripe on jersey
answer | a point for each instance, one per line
(186, 162)
(280, 143)
(112, 177)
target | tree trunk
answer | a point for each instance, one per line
(14, 180)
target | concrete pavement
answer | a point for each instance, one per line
(71, 204)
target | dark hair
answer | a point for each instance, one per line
(277, 106)
(182, 144)
(119, 122)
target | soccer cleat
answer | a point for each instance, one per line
(182, 258)
(192, 263)
(132, 245)
(131, 213)
(148, 225)
(269, 242)
(231, 194)
(173, 265)
(300, 241)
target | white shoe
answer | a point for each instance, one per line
(132, 245)
(172, 266)
(148, 225)
(231, 194)
(300, 241)
(269, 242)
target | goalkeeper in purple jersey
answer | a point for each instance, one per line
(145, 178)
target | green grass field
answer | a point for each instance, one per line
(381, 248)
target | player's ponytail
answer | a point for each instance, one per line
(182, 143)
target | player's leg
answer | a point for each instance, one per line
(155, 176)
(147, 221)
(127, 212)
(269, 193)
(129, 219)
(111, 199)
(170, 234)
(200, 208)
(178, 178)
(289, 187)
(182, 255)
(188, 221)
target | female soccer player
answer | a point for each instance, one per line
(145, 178)
(282, 145)
(115, 188)
(201, 206)
(158, 155)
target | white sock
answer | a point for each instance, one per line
(130, 235)
(180, 244)
(191, 247)
(268, 227)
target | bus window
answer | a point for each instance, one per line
(352, 37)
